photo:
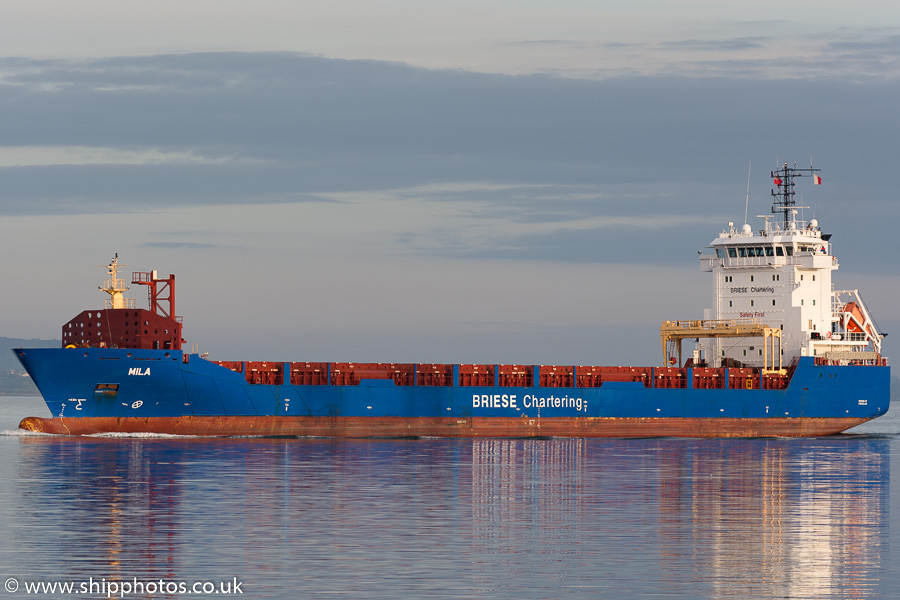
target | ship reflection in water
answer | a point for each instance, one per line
(459, 518)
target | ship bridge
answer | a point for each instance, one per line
(781, 275)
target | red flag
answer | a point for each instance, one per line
(817, 179)
(778, 181)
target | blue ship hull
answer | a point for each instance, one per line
(132, 390)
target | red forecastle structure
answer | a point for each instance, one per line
(121, 324)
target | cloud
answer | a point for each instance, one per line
(42, 156)
(182, 245)
(726, 45)
(389, 212)
(539, 166)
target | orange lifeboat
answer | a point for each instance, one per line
(857, 322)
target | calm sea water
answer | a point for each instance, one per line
(647, 518)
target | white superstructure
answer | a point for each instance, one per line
(780, 276)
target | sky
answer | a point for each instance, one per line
(509, 182)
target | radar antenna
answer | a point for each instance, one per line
(783, 194)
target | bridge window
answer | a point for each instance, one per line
(732, 253)
(779, 251)
(742, 252)
(770, 251)
(720, 253)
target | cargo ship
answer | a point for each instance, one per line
(779, 353)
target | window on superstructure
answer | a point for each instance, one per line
(770, 251)
(751, 303)
(732, 253)
(814, 277)
(760, 251)
(779, 251)
(751, 278)
(742, 252)
(720, 253)
(773, 303)
(789, 250)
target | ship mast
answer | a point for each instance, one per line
(783, 196)
(114, 286)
